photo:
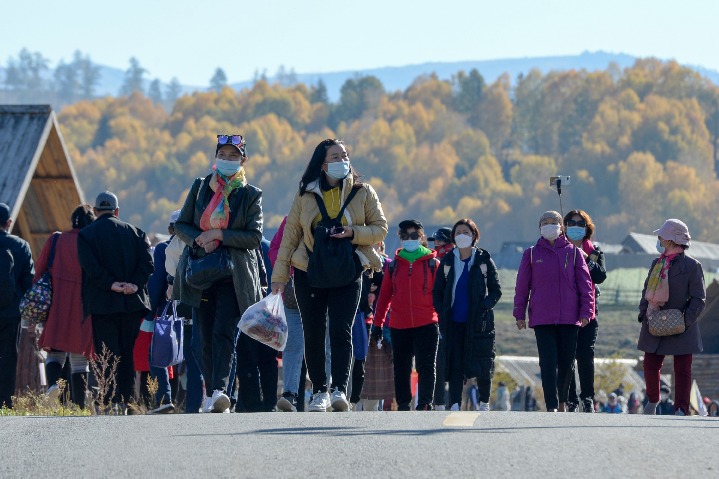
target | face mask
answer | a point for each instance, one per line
(664, 396)
(463, 241)
(338, 170)
(550, 232)
(410, 245)
(660, 248)
(576, 233)
(227, 168)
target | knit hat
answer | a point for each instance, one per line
(674, 230)
(551, 215)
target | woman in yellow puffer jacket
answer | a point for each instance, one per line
(329, 180)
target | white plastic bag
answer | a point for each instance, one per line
(265, 322)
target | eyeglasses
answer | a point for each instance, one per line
(406, 236)
(236, 140)
(580, 223)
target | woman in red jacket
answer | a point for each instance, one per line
(407, 289)
(66, 333)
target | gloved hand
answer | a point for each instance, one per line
(376, 334)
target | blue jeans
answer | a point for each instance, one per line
(194, 389)
(294, 351)
(164, 393)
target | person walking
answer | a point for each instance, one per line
(442, 239)
(222, 210)
(16, 276)
(116, 262)
(579, 229)
(465, 292)
(295, 348)
(194, 385)
(67, 333)
(407, 291)
(675, 281)
(553, 280)
(344, 214)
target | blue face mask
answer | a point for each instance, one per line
(338, 170)
(660, 248)
(228, 168)
(576, 233)
(410, 245)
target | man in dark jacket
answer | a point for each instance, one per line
(18, 268)
(116, 264)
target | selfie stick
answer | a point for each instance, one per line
(559, 192)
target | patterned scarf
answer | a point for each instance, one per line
(658, 286)
(217, 213)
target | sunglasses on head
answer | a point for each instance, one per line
(406, 236)
(236, 140)
(580, 223)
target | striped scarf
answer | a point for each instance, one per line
(217, 213)
(657, 285)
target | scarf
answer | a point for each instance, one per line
(217, 212)
(587, 247)
(657, 285)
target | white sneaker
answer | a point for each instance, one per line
(440, 407)
(320, 402)
(339, 401)
(483, 406)
(455, 407)
(220, 401)
(207, 405)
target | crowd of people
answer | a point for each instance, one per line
(409, 330)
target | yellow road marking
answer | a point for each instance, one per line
(461, 419)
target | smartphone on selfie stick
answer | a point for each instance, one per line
(556, 182)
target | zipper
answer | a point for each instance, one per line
(411, 301)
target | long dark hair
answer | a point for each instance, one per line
(82, 216)
(314, 167)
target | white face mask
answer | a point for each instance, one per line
(550, 232)
(338, 170)
(463, 241)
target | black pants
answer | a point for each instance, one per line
(9, 336)
(420, 343)
(440, 387)
(316, 306)
(586, 339)
(257, 373)
(456, 363)
(556, 346)
(217, 318)
(118, 332)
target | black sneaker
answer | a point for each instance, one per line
(163, 409)
(571, 407)
(288, 402)
(588, 405)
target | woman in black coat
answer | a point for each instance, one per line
(465, 291)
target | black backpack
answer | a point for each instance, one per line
(7, 278)
(332, 262)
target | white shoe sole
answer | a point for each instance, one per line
(285, 406)
(221, 404)
(314, 408)
(340, 405)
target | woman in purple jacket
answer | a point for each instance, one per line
(553, 279)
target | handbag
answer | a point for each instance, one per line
(666, 322)
(203, 271)
(35, 304)
(167, 339)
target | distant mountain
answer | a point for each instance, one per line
(399, 78)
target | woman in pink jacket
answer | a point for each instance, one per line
(553, 280)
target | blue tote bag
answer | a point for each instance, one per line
(167, 338)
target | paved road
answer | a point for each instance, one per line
(361, 445)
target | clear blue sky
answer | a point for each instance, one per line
(189, 39)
